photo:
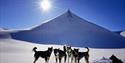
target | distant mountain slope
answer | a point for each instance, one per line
(118, 32)
(4, 33)
(122, 33)
(72, 30)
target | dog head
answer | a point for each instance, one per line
(34, 49)
(75, 51)
(50, 49)
(56, 52)
(68, 47)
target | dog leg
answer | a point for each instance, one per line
(56, 59)
(60, 59)
(71, 59)
(46, 60)
(78, 60)
(65, 59)
(87, 59)
(68, 59)
(36, 58)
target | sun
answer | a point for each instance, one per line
(45, 5)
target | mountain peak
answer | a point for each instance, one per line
(69, 13)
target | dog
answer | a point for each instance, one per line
(59, 54)
(44, 54)
(75, 55)
(69, 52)
(84, 54)
(115, 59)
(72, 54)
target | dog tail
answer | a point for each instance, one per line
(34, 49)
(87, 49)
(64, 48)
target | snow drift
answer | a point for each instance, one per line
(16, 51)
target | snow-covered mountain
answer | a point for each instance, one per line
(4, 33)
(72, 30)
(122, 33)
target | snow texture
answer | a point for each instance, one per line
(15, 51)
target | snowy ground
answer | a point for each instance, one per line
(15, 51)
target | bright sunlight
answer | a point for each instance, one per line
(45, 5)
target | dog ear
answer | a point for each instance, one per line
(64, 46)
(52, 47)
(58, 48)
(78, 48)
(35, 48)
(74, 48)
(69, 46)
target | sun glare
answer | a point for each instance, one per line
(45, 5)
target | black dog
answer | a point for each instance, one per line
(115, 59)
(59, 54)
(75, 55)
(44, 54)
(85, 55)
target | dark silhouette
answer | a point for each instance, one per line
(85, 55)
(115, 59)
(64, 47)
(59, 54)
(44, 54)
(75, 55)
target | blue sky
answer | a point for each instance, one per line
(20, 14)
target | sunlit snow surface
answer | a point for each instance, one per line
(15, 51)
